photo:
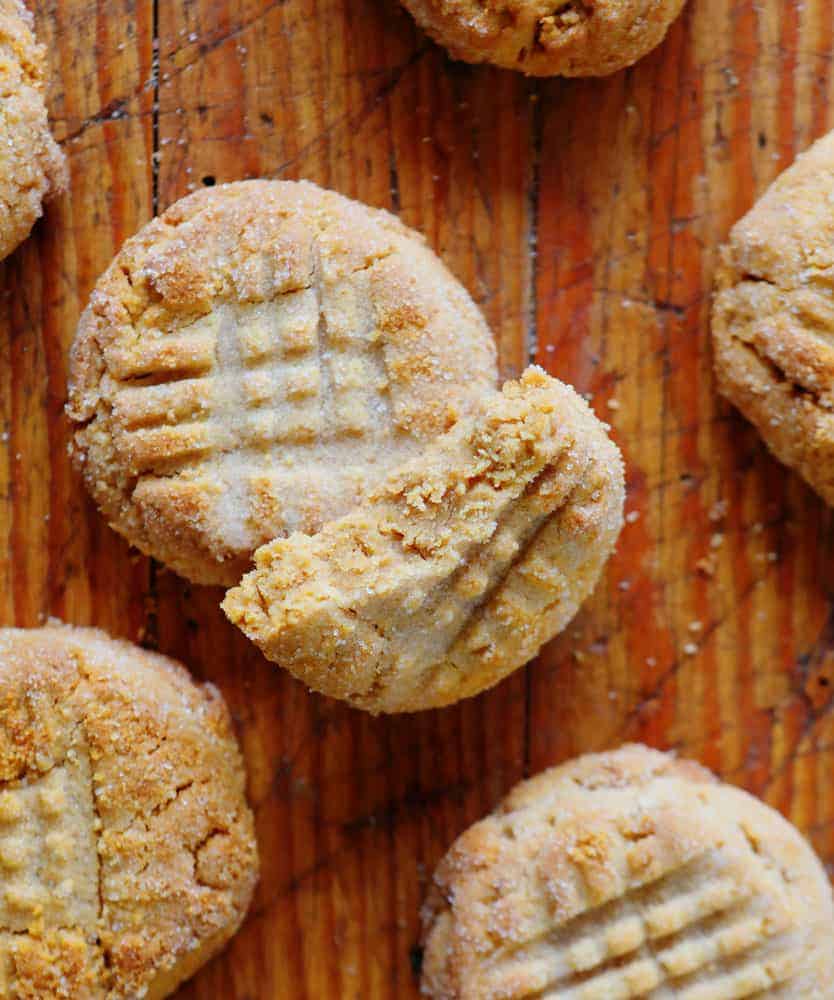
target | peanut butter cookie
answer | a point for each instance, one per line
(773, 317)
(457, 569)
(254, 360)
(539, 38)
(31, 165)
(127, 853)
(629, 874)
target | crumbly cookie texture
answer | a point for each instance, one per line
(32, 167)
(127, 849)
(457, 569)
(576, 38)
(773, 317)
(629, 874)
(255, 360)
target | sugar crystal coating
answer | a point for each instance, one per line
(629, 874)
(457, 568)
(32, 166)
(773, 317)
(255, 360)
(127, 853)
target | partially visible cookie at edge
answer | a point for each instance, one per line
(576, 38)
(454, 571)
(629, 874)
(773, 317)
(32, 167)
(127, 848)
(257, 358)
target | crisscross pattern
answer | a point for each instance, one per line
(627, 875)
(127, 854)
(236, 387)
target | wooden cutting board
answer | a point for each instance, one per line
(584, 217)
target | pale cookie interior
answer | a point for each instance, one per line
(457, 569)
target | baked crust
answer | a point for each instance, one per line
(32, 167)
(773, 317)
(127, 849)
(457, 569)
(629, 874)
(254, 360)
(576, 38)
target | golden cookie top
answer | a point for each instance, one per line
(31, 165)
(540, 38)
(457, 568)
(773, 316)
(127, 853)
(255, 359)
(629, 874)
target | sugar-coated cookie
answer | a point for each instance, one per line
(773, 317)
(457, 569)
(629, 874)
(32, 166)
(254, 360)
(127, 851)
(539, 38)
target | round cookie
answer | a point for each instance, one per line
(127, 850)
(629, 874)
(455, 570)
(576, 38)
(32, 166)
(773, 317)
(254, 360)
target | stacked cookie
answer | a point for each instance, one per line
(270, 369)
(457, 569)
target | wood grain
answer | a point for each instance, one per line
(584, 217)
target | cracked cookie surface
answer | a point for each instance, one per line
(629, 874)
(32, 167)
(456, 569)
(576, 38)
(127, 850)
(773, 317)
(254, 360)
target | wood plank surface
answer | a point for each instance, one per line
(584, 216)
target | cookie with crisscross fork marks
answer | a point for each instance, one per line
(127, 850)
(457, 568)
(629, 874)
(255, 360)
